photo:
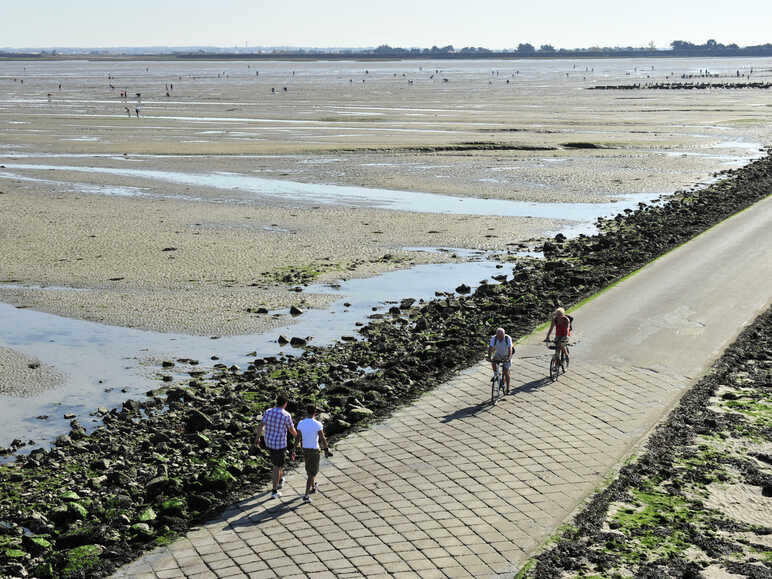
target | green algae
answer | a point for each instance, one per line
(81, 559)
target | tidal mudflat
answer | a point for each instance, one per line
(87, 235)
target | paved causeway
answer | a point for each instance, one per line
(454, 487)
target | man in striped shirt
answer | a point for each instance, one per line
(276, 422)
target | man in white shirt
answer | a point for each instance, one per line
(501, 350)
(310, 433)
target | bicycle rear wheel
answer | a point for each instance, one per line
(554, 368)
(565, 360)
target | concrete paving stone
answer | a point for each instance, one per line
(481, 570)
(271, 555)
(349, 573)
(201, 575)
(415, 536)
(304, 558)
(351, 552)
(456, 572)
(190, 570)
(407, 575)
(230, 573)
(207, 548)
(385, 556)
(167, 561)
(347, 543)
(435, 551)
(422, 565)
(288, 569)
(338, 565)
(494, 560)
(168, 574)
(188, 561)
(247, 559)
(369, 541)
(363, 561)
(470, 561)
(311, 568)
(262, 574)
(220, 563)
(394, 567)
(403, 528)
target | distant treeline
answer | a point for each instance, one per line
(678, 48)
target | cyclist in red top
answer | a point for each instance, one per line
(562, 325)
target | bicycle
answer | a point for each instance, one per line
(498, 387)
(559, 360)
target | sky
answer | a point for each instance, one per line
(495, 24)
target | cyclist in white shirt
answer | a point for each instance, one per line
(501, 350)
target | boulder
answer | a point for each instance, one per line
(196, 421)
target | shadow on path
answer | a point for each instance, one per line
(466, 412)
(532, 385)
(269, 514)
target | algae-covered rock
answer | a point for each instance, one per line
(69, 496)
(36, 545)
(218, 478)
(142, 529)
(197, 421)
(81, 559)
(173, 505)
(43, 571)
(97, 481)
(157, 485)
(77, 511)
(147, 515)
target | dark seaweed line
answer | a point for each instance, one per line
(187, 454)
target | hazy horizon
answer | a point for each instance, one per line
(493, 24)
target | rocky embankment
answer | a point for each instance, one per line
(157, 465)
(682, 86)
(698, 502)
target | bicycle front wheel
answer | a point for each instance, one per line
(554, 368)
(494, 387)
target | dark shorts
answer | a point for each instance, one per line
(560, 340)
(277, 456)
(311, 457)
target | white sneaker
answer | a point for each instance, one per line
(275, 495)
(306, 499)
(281, 483)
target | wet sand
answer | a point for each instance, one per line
(198, 266)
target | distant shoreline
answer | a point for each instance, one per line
(396, 56)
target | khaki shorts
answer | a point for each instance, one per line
(311, 457)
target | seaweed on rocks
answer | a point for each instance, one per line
(157, 466)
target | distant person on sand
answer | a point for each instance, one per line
(310, 434)
(128, 111)
(136, 110)
(276, 422)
